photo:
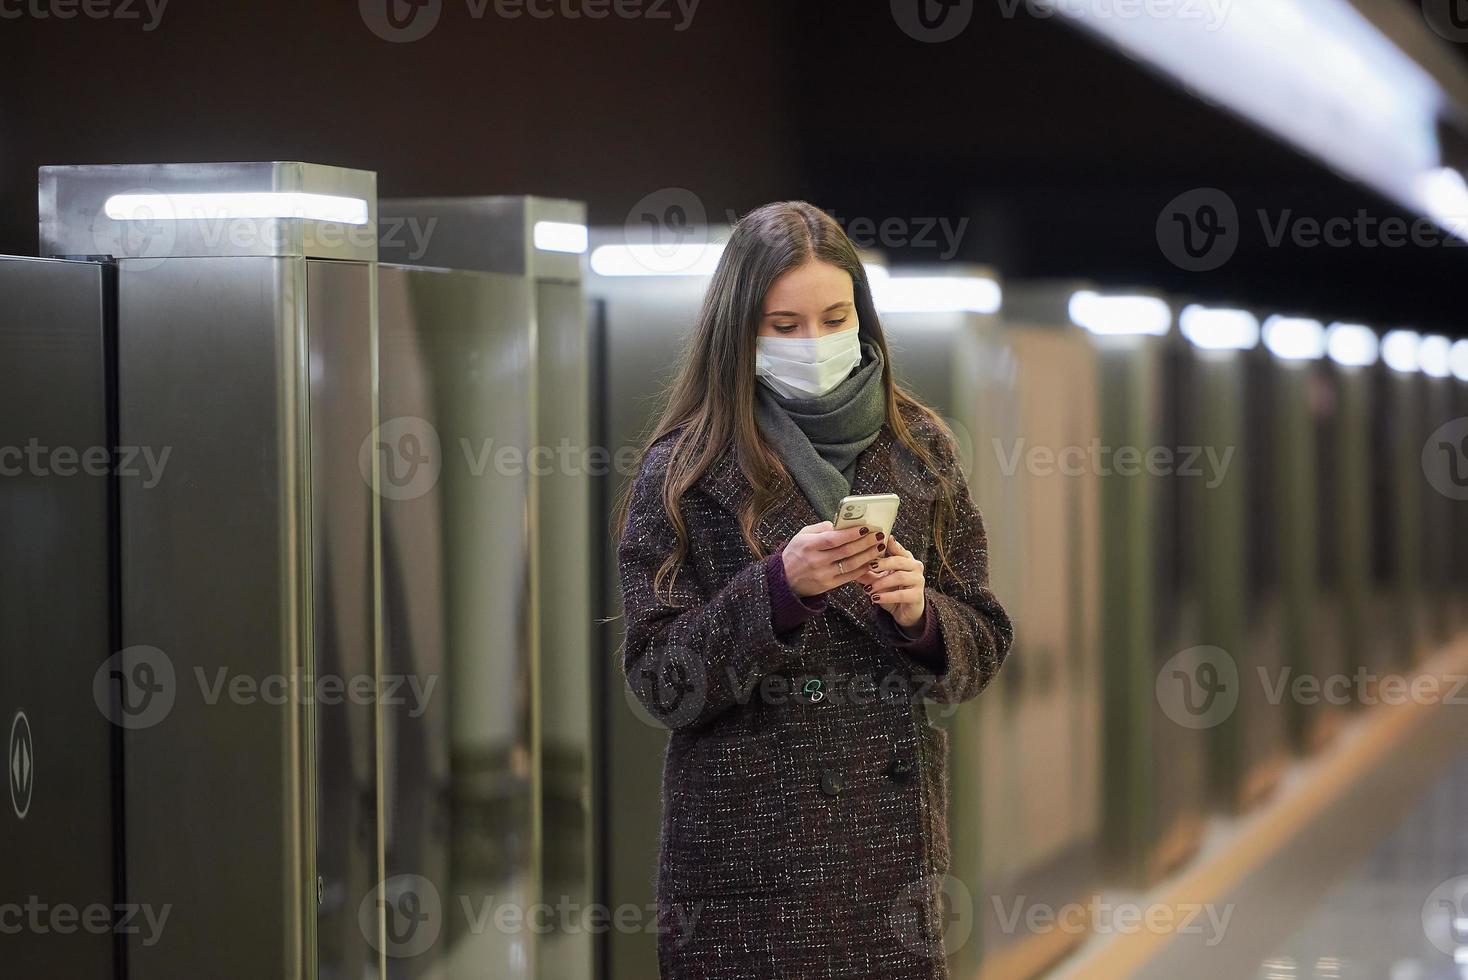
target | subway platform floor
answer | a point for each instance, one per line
(1402, 913)
(1356, 869)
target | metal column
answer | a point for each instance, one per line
(61, 821)
(246, 327)
(485, 348)
(1153, 763)
(1041, 504)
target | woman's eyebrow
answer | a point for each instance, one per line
(833, 306)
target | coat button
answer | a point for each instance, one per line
(831, 782)
(899, 770)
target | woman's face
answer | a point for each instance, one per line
(816, 299)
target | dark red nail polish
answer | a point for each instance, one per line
(880, 535)
(872, 564)
(863, 531)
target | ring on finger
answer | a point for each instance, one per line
(840, 567)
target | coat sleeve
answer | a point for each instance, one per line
(975, 631)
(690, 660)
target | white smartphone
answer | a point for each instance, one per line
(877, 511)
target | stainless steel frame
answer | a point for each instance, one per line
(456, 364)
(60, 822)
(518, 327)
(248, 571)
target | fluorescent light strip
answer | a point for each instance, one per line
(560, 236)
(1399, 350)
(936, 294)
(875, 272)
(1432, 356)
(1352, 345)
(1444, 196)
(1318, 74)
(689, 259)
(1294, 338)
(224, 207)
(1120, 315)
(1219, 329)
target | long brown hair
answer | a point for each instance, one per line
(711, 402)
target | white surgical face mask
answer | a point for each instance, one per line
(802, 367)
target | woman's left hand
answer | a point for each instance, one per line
(897, 584)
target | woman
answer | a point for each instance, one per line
(804, 829)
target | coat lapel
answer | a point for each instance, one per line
(725, 482)
(886, 466)
(890, 467)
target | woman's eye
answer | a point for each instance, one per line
(835, 323)
(786, 327)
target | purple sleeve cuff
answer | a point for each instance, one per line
(923, 641)
(788, 611)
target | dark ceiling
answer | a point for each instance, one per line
(1060, 153)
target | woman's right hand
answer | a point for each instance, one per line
(820, 558)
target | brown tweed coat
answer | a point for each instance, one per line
(804, 828)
